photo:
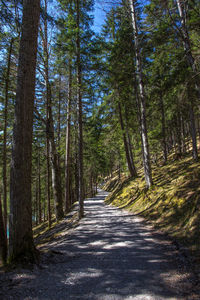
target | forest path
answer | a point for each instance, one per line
(110, 255)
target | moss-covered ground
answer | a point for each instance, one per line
(43, 234)
(172, 204)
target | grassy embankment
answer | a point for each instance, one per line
(172, 204)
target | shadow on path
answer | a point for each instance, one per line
(110, 255)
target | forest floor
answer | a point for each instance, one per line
(108, 255)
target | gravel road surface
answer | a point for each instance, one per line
(110, 255)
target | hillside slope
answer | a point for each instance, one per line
(172, 204)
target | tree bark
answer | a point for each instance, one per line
(80, 125)
(56, 175)
(39, 191)
(21, 244)
(5, 213)
(68, 142)
(145, 144)
(36, 203)
(198, 122)
(129, 143)
(193, 128)
(192, 65)
(76, 175)
(186, 41)
(48, 180)
(164, 143)
(178, 130)
(3, 239)
(128, 159)
(59, 118)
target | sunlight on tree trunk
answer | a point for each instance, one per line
(145, 144)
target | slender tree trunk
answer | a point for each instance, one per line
(5, 136)
(193, 131)
(128, 159)
(56, 176)
(59, 118)
(146, 154)
(80, 126)
(193, 128)
(47, 119)
(129, 144)
(39, 190)
(178, 131)
(183, 137)
(170, 137)
(34, 213)
(21, 244)
(76, 173)
(36, 203)
(48, 180)
(130, 151)
(174, 138)
(91, 185)
(164, 143)
(44, 211)
(192, 65)
(3, 239)
(68, 142)
(119, 172)
(76, 178)
(198, 120)
(186, 41)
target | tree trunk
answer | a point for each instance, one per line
(56, 175)
(3, 239)
(47, 120)
(131, 152)
(21, 244)
(183, 137)
(39, 191)
(128, 159)
(68, 142)
(129, 144)
(193, 128)
(186, 42)
(5, 136)
(164, 143)
(178, 129)
(91, 191)
(36, 203)
(44, 211)
(192, 65)
(145, 145)
(48, 182)
(59, 119)
(76, 172)
(80, 126)
(198, 120)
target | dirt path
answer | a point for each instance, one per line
(109, 256)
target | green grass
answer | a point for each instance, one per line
(172, 204)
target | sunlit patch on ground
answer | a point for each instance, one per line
(172, 204)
